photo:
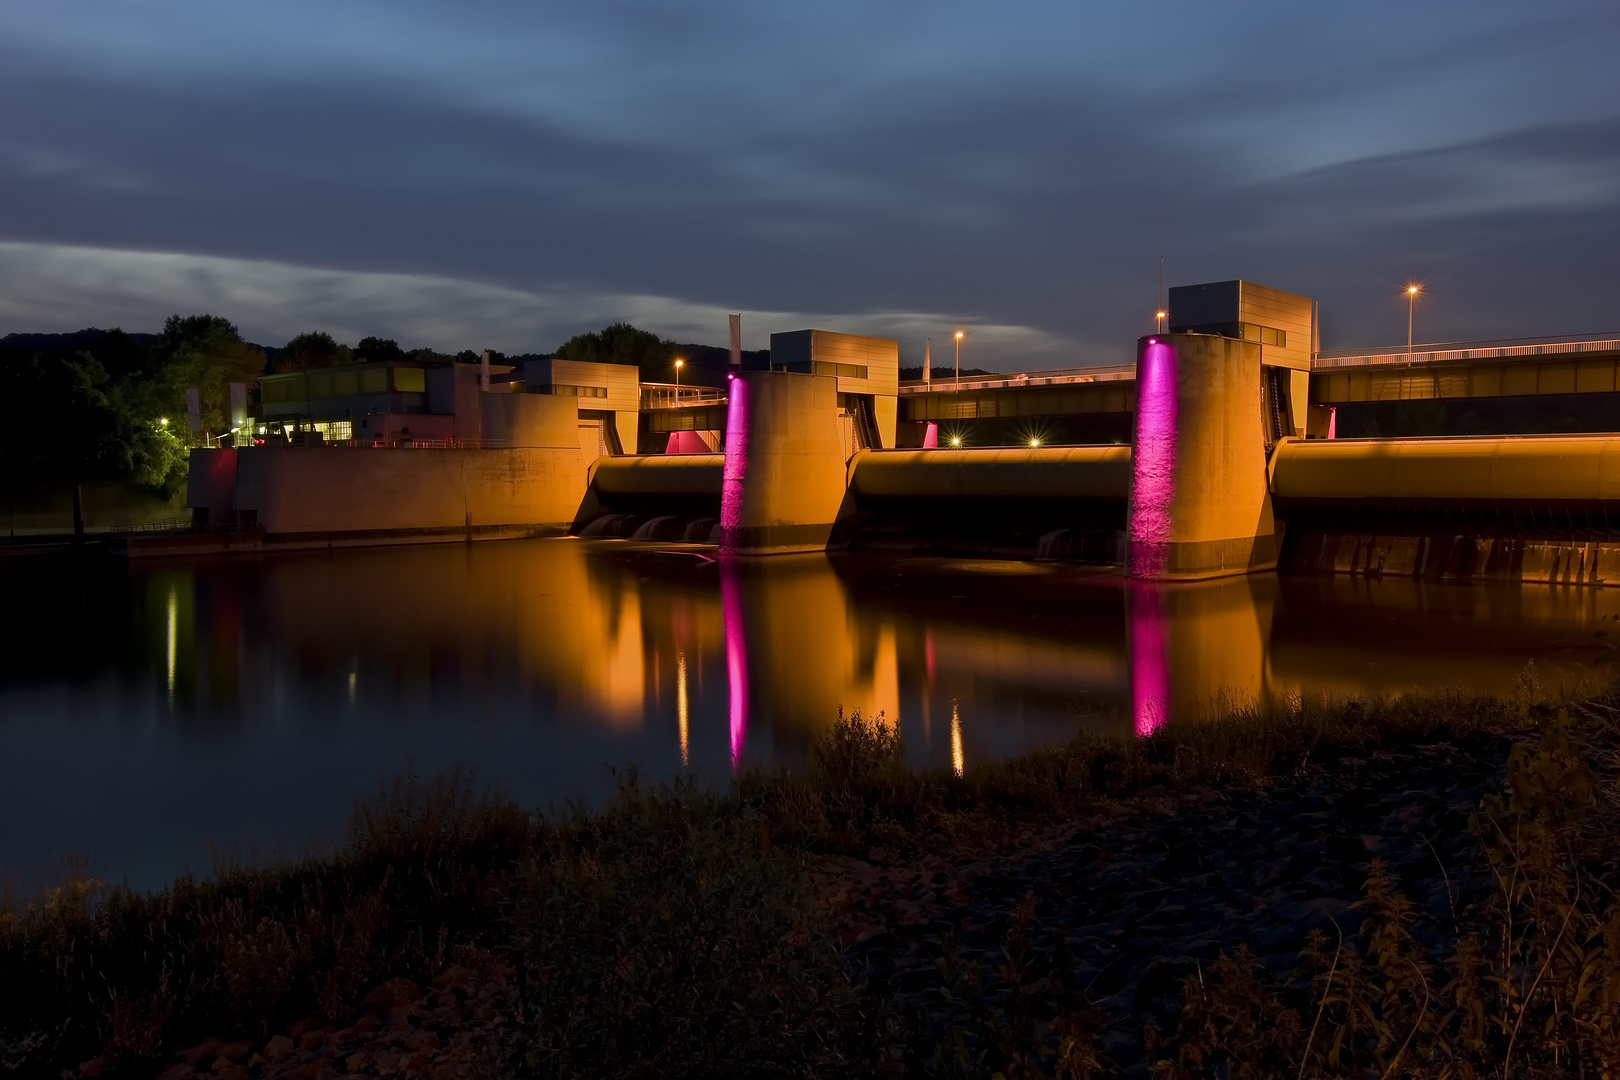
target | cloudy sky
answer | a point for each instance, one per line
(504, 173)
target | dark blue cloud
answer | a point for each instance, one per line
(1023, 166)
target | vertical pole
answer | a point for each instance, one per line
(928, 361)
(1411, 298)
(1158, 322)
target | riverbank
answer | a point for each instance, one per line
(1360, 885)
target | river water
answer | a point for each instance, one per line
(156, 718)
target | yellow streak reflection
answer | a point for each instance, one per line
(173, 637)
(680, 701)
(957, 763)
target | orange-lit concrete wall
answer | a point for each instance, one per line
(789, 462)
(1199, 500)
(343, 490)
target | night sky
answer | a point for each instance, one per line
(504, 174)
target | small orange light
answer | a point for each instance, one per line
(959, 333)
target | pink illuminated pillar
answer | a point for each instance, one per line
(1150, 657)
(931, 436)
(1153, 460)
(736, 466)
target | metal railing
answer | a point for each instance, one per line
(408, 444)
(1053, 377)
(1453, 351)
(669, 396)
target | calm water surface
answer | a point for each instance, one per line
(154, 717)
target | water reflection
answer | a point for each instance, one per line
(145, 714)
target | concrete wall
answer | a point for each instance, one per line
(211, 483)
(453, 391)
(1450, 557)
(368, 491)
(784, 477)
(1199, 500)
(530, 420)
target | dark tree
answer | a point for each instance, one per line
(375, 348)
(622, 343)
(312, 350)
(205, 352)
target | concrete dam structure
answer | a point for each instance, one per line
(1233, 463)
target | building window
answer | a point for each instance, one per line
(410, 380)
(827, 367)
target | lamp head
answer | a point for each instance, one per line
(959, 335)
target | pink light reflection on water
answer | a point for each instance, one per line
(736, 466)
(1150, 658)
(731, 611)
(1153, 460)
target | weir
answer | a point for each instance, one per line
(1231, 464)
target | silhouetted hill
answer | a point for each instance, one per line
(58, 342)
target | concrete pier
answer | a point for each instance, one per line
(1199, 503)
(784, 478)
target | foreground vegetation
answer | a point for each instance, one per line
(675, 932)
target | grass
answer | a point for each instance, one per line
(670, 934)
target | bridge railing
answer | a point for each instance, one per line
(669, 396)
(1054, 377)
(1450, 351)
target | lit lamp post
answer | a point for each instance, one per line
(1158, 321)
(1411, 299)
(678, 365)
(959, 357)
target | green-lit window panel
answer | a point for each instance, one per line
(410, 380)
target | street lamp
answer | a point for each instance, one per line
(678, 365)
(1158, 321)
(1411, 298)
(959, 356)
